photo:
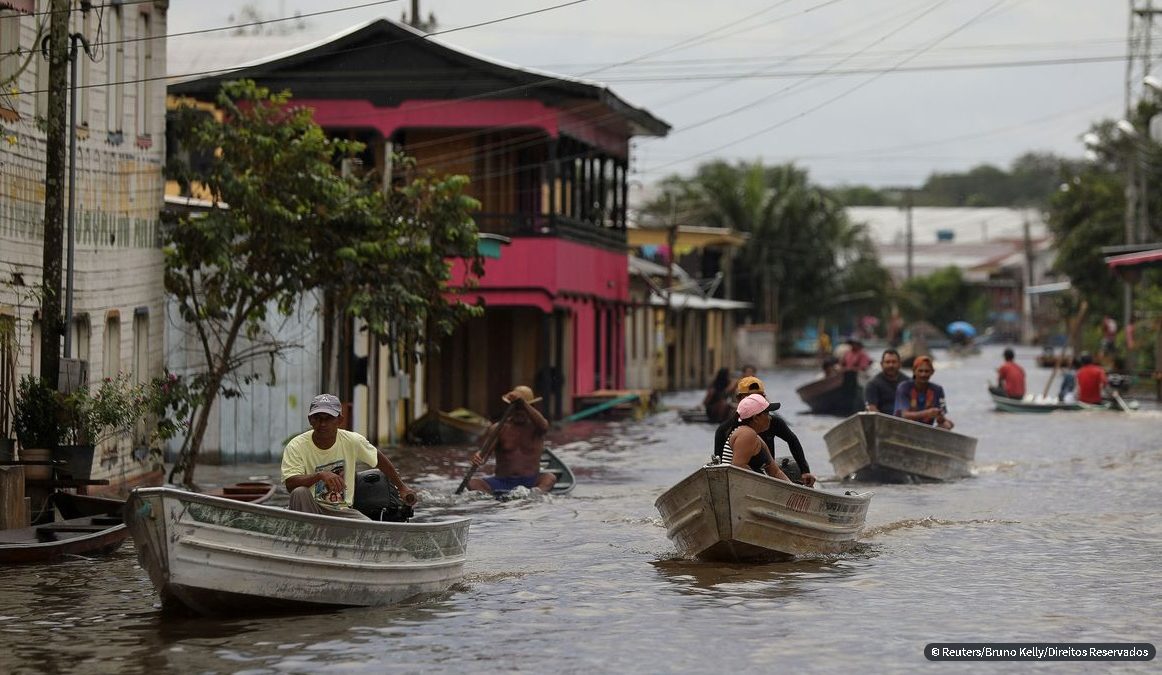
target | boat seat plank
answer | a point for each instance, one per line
(69, 527)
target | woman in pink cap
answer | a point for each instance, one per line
(743, 447)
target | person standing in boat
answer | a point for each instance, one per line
(920, 399)
(319, 466)
(519, 444)
(1010, 378)
(1092, 381)
(855, 358)
(745, 447)
(880, 392)
(778, 428)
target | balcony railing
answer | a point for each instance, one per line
(563, 227)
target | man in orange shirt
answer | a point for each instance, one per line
(1010, 377)
(1091, 381)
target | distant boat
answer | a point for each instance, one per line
(726, 513)
(553, 464)
(209, 555)
(695, 416)
(88, 526)
(877, 447)
(838, 394)
(458, 427)
(255, 492)
(1036, 404)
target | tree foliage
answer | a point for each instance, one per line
(943, 297)
(802, 254)
(285, 222)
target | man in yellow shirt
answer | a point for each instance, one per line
(318, 466)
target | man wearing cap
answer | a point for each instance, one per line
(880, 392)
(519, 445)
(778, 429)
(920, 399)
(319, 466)
(745, 447)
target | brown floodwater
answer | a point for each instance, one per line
(1057, 538)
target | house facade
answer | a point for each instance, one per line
(548, 159)
(117, 319)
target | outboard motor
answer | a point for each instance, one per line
(378, 499)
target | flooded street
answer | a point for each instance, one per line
(1057, 538)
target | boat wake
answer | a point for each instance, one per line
(930, 522)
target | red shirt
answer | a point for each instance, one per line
(1013, 378)
(1090, 380)
(855, 360)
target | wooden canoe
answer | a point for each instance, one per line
(726, 513)
(695, 415)
(437, 427)
(255, 492)
(209, 555)
(839, 394)
(873, 446)
(87, 526)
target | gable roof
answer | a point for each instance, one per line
(388, 63)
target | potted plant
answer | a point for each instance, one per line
(36, 423)
(91, 415)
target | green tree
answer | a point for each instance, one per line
(801, 243)
(943, 297)
(285, 222)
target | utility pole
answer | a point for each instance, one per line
(54, 202)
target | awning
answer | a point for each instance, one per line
(1152, 257)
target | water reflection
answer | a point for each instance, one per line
(769, 580)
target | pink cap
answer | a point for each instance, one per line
(753, 405)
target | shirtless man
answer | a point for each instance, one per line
(520, 442)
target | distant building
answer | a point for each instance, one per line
(988, 245)
(118, 297)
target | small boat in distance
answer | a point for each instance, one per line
(255, 492)
(726, 513)
(838, 394)
(872, 446)
(209, 555)
(86, 526)
(1032, 403)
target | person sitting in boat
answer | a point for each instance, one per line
(1010, 378)
(745, 446)
(855, 358)
(1068, 391)
(880, 392)
(778, 428)
(1092, 382)
(920, 399)
(319, 466)
(519, 444)
(717, 398)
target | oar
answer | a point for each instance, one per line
(489, 443)
(1118, 398)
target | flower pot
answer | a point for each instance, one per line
(78, 461)
(37, 471)
(7, 449)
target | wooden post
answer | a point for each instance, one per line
(13, 509)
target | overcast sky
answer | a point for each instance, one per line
(824, 83)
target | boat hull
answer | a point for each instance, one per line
(725, 513)
(209, 555)
(838, 394)
(875, 446)
(90, 526)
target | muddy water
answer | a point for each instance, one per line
(1057, 538)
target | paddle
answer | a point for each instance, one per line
(489, 443)
(1118, 398)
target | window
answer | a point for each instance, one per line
(141, 344)
(11, 57)
(112, 344)
(144, 45)
(82, 337)
(115, 91)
